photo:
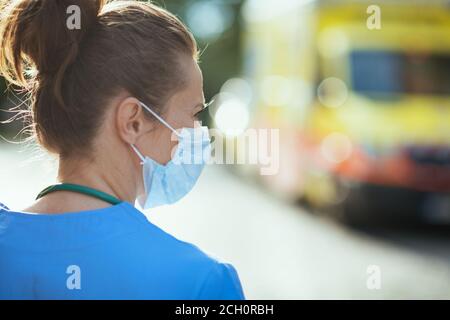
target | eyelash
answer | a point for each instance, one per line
(198, 114)
(205, 106)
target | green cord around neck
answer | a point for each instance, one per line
(80, 189)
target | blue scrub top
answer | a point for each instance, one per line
(111, 253)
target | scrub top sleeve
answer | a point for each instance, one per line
(222, 283)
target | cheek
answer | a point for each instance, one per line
(189, 121)
(160, 145)
(169, 144)
(183, 119)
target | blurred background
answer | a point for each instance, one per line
(360, 93)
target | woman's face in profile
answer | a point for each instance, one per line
(180, 112)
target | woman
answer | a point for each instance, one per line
(115, 88)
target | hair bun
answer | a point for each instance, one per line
(44, 33)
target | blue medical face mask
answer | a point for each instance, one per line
(166, 184)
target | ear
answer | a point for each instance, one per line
(130, 120)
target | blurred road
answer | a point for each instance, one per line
(279, 250)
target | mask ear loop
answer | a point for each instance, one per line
(140, 155)
(160, 119)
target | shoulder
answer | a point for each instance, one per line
(216, 278)
(178, 249)
(212, 277)
(152, 236)
(221, 283)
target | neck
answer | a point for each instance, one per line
(98, 174)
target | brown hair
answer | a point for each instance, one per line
(71, 74)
